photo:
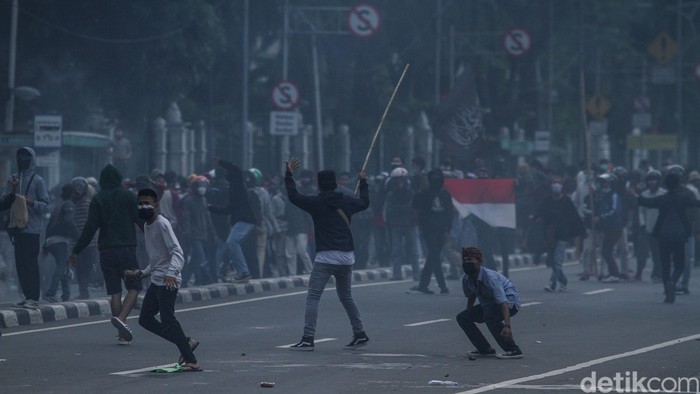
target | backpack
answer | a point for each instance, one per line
(19, 216)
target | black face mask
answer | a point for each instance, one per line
(469, 269)
(23, 162)
(146, 212)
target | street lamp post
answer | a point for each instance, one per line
(10, 109)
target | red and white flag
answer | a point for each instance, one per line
(491, 200)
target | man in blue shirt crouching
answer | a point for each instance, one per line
(498, 302)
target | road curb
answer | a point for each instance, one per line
(14, 317)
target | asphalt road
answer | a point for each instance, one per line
(593, 328)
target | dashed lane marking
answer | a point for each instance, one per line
(422, 323)
(598, 291)
(531, 303)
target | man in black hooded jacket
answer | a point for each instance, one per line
(330, 211)
(673, 226)
(435, 212)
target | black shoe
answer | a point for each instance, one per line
(244, 277)
(357, 342)
(513, 354)
(476, 353)
(418, 289)
(305, 345)
(670, 291)
(445, 292)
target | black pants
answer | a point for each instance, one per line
(86, 270)
(610, 238)
(493, 317)
(26, 260)
(159, 299)
(434, 241)
(668, 251)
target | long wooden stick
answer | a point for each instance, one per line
(381, 122)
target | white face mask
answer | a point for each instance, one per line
(556, 188)
(201, 190)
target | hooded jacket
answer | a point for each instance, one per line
(673, 223)
(331, 231)
(239, 207)
(36, 190)
(434, 205)
(113, 210)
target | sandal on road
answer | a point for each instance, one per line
(124, 330)
(193, 346)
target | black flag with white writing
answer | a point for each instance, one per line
(458, 119)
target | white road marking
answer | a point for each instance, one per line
(580, 366)
(425, 322)
(198, 308)
(531, 303)
(546, 387)
(147, 369)
(538, 267)
(390, 355)
(598, 291)
(315, 342)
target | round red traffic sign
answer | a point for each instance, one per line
(285, 95)
(364, 20)
(517, 42)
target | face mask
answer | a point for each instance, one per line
(469, 269)
(556, 188)
(146, 212)
(23, 162)
(201, 190)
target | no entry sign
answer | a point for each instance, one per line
(285, 95)
(364, 20)
(516, 42)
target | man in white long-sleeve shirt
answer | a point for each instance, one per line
(165, 263)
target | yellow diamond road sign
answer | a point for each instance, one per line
(598, 106)
(663, 48)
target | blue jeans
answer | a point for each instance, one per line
(233, 242)
(556, 259)
(317, 283)
(59, 252)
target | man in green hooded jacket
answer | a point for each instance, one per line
(113, 211)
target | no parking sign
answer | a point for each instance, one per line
(364, 20)
(516, 42)
(285, 95)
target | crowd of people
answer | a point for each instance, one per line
(236, 224)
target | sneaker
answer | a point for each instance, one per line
(419, 290)
(19, 304)
(51, 299)
(124, 330)
(244, 277)
(122, 342)
(305, 345)
(476, 353)
(445, 292)
(549, 289)
(610, 279)
(513, 354)
(357, 342)
(31, 304)
(562, 288)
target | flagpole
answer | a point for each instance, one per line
(381, 122)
